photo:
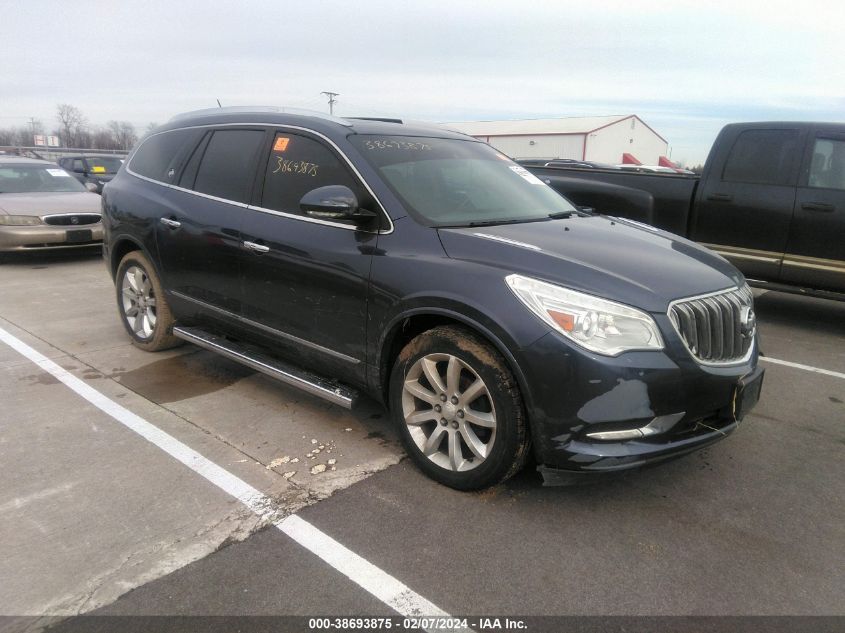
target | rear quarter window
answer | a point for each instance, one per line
(159, 154)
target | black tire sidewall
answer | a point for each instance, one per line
(509, 446)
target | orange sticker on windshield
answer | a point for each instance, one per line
(281, 143)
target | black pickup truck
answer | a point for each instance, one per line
(771, 199)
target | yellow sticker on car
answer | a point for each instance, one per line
(98, 169)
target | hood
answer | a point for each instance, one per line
(47, 203)
(607, 257)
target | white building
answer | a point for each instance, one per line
(601, 139)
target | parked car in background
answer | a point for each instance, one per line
(771, 199)
(564, 162)
(585, 164)
(654, 169)
(43, 206)
(92, 171)
(430, 271)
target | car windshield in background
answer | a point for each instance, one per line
(36, 179)
(452, 182)
(104, 164)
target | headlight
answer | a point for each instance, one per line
(19, 220)
(600, 325)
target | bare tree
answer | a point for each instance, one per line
(72, 124)
(101, 138)
(22, 136)
(123, 134)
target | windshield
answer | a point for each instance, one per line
(452, 182)
(103, 164)
(36, 179)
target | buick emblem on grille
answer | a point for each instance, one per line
(747, 321)
(74, 220)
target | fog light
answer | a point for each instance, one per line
(660, 424)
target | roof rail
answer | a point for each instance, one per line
(259, 109)
(375, 118)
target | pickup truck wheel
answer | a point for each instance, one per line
(143, 307)
(459, 409)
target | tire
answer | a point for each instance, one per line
(464, 434)
(139, 290)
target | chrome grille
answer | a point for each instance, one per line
(717, 328)
(72, 219)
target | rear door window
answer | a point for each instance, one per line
(157, 157)
(227, 168)
(766, 157)
(827, 166)
(297, 165)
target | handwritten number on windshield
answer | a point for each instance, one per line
(393, 144)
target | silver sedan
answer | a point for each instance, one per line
(43, 206)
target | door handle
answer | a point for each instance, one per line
(818, 206)
(258, 248)
(173, 224)
(720, 197)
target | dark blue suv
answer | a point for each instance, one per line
(496, 320)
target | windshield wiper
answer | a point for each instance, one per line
(511, 221)
(561, 215)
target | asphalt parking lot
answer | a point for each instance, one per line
(96, 518)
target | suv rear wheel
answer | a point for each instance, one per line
(143, 308)
(459, 409)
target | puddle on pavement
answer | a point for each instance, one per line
(40, 379)
(182, 377)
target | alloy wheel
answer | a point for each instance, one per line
(449, 412)
(138, 302)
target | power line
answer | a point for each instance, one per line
(332, 100)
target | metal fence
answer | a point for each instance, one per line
(55, 153)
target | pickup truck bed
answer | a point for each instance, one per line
(667, 202)
(771, 199)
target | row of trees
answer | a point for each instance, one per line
(74, 130)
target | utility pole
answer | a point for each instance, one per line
(332, 100)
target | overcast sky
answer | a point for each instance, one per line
(686, 68)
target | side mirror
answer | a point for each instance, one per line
(333, 202)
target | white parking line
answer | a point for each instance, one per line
(377, 582)
(816, 370)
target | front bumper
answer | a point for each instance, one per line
(576, 397)
(44, 236)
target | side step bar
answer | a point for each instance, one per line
(289, 374)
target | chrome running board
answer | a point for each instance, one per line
(283, 372)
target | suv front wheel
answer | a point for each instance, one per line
(459, 409)
(143, 307)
